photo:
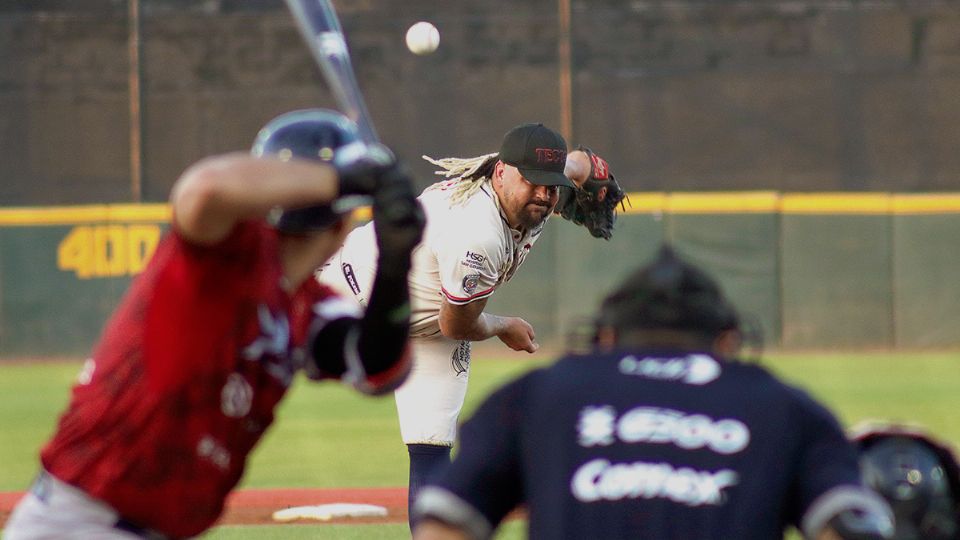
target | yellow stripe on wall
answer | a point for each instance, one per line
(836, 203)
(738, 202)
(743, 202)
(926, 203)
(643, 203)
(76, 215)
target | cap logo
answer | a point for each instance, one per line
(539, 152)
(551, 155)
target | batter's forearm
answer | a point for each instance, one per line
(213, 194)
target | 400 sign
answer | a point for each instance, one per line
(97, 251)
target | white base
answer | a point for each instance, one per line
(325, 512)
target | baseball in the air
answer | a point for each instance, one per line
(423, 38)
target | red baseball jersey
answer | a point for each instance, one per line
(185, 380)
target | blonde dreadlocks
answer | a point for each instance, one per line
(468, 174)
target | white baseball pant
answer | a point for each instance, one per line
(55, 510)
(430, 400)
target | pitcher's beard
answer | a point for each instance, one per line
(534, 215)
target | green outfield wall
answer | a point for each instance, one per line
(63, 270)
(830, 270)
(810, 270)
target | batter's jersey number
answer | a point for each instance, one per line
(96, 251)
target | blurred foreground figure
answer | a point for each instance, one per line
(917, 474)
(191, 366)
(658, 433)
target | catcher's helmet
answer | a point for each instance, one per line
(919, 479)
(669, 293)
(310, 134)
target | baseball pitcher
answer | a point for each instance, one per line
(482, 222)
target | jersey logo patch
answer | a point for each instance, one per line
(236, 396)
(460, 359)
(274, 336)
(271, 347)
(212, 450)
(470, 283)
(600, 426)
(476, 257)
(597, 426)
(86, 374)
(473, 260)
(696, 369)
(603, 480)
(350, 277)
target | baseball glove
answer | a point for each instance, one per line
(594, 205)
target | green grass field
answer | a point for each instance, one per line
(327, 436)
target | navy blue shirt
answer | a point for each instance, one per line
(646, 444)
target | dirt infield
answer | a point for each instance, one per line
(256, 506)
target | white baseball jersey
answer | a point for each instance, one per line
(468, 250)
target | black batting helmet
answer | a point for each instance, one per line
(917, 475)
(310, 134)
(669, 293)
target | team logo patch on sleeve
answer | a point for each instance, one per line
(470, 283)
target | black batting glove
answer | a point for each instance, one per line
(398, 218)
(360, 167)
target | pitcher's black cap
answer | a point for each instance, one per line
(539, 152)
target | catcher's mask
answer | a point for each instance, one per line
(309, 134)
(669, 293)
(917, 476)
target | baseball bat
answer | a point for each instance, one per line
(320, 28)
